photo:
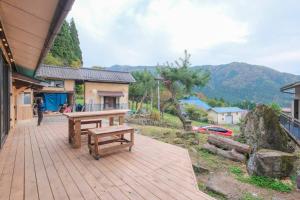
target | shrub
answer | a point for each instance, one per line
(261, 181)
(155, 115)
(195, 113)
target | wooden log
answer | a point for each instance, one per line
(228, 144)
(232, 154)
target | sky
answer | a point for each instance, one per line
(148, 32)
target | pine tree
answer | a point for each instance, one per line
(65, 49)
(75, 39)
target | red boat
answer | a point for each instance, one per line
(214, 130)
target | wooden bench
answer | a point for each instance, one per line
(115, 135)
(98, 123)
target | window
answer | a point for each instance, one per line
(56, 83)
(26, 98)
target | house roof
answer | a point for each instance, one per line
(68, 73)
(30, 27)
(226, 109)
(290, 86)
(196, 101)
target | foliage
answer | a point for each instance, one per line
(247, 105)
(179, 80)
(142, 88)
(215, 102)
(155, 115)
(261, 181)
(65, 49)
(51, 60)
(276, 107)
(195, 113)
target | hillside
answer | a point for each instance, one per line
(239, 81)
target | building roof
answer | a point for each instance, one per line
(87, 74)
(196, 101)
(29, 29)
(226, 109)
(289, 86)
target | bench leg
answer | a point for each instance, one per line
(96, 149)
(131, 139)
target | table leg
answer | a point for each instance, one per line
(77, 135)
(71, 130)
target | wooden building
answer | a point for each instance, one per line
(102, 89)
(27, 30)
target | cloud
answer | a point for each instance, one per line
(145, 32)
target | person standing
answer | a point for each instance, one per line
(40, 109)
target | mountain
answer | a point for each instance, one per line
(239, 81)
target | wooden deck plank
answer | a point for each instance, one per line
(39, 163)
(84, 172)
(30, 182)
(17, 185)
(7, 173)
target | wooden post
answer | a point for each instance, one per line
(77, 136)
(131, 139)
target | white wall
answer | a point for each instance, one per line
(219, 118)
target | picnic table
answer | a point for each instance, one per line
(75, 119)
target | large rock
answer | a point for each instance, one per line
(271, 163)
(261, 130)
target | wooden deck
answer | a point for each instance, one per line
(38, 163)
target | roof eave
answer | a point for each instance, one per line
(62, 9)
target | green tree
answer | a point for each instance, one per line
(141, 89)
(65, 50)
(179, 80)
(75, 39)
(276, 107)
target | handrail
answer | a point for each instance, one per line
(291, 125)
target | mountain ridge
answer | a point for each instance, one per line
(238, 81)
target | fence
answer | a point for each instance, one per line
(292, 125)
(100, 107)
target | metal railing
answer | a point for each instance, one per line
(100, 107)
(291, 125)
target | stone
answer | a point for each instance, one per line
(198, 169)
(298, 182)
(225, 186)
(261, 130)
(271, 163)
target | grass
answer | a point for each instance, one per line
(249, 196)
(261, 181)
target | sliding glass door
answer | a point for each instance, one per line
(4, 99)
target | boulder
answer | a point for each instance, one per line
(198, 169)
(271, 163)
(261, 130)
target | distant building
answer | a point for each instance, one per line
(102, 89)
(197, 102)
(225, 115)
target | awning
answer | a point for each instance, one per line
(20, 80)
(110, 94)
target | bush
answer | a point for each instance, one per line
(261, 181)
(155, 115)
(275, 107)
(195, 113)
